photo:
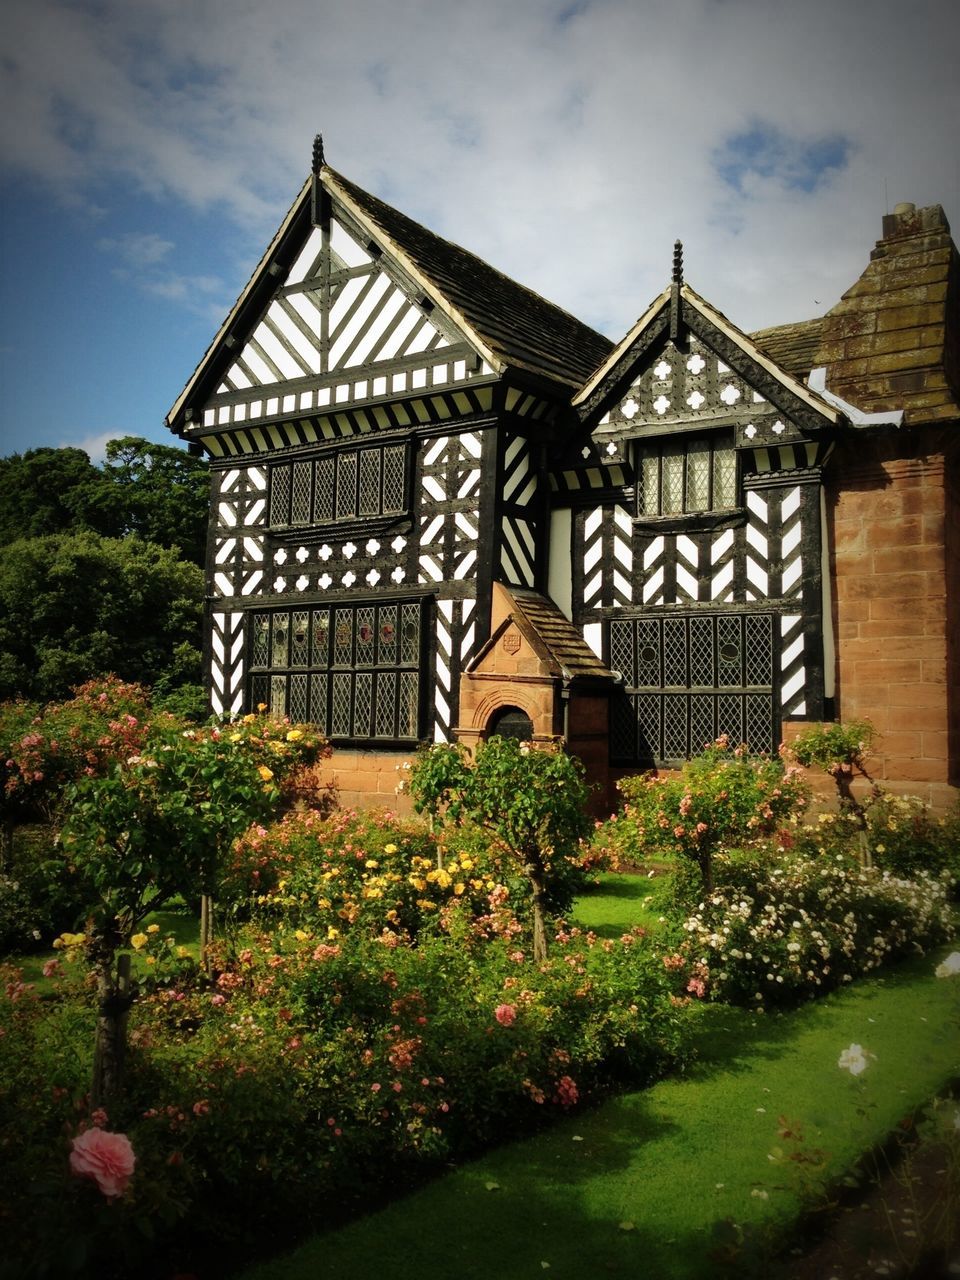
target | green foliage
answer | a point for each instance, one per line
(158, 823)
(902, 835)
(720, 800)
(158, 492)
(307, 1076)
(77, 606)
(40, 894)
(780, 929)
(532, 802)
(835, 747)
(42, 749)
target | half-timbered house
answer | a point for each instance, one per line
(443, 507)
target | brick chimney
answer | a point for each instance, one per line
(893, 340)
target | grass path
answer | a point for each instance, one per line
(636, 1186)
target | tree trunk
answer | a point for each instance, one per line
(6, 843)
(114, 998)
(539, 915)
(206, 931)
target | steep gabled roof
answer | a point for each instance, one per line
(510, 325)
(521, 329)
(736, 348)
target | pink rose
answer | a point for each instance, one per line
(106, 1157)
(505, 1014)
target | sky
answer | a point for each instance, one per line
(150, 148)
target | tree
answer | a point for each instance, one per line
(75, 606)
(46, 491)
(157, 824)
(161, 493)
(532, 802)
(153, 490)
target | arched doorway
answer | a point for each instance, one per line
(510, 722)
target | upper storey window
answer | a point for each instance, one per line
(351, 485)
(682, 476)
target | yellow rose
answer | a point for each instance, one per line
(236, 737)
(371, 864)
(138, 940)
(458, 888)
(265, 773)
(153, 928)
(151, 959)
(301, 935)
(294, 735)
(389, 848)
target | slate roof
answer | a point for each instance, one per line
(524, 330)
(564, 642)
(792, 346)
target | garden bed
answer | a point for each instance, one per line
(677, 1181)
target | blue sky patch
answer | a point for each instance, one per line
(763, 150)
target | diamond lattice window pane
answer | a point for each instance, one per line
(759, 722)
(300, 639)
(370, 482)
(623, 728)
(340, 705)
(280, 640)
(698, 476)
(343, 638)
(410, 633)
(674, 727)
(701, 722)
(672, 481)
(321, 637)
(621, 651)
(724, 479)
(649, 643)
(346, 485)
(260, 691)
(393, 495)
(648, 708)
(386, 712)
(300, 493)
(297, 709)
(363, 696)
(318, 702)
(260, 653)
(408, 712)
(323, 491)
(366, 636)
(674, 652)
(759, 646)
(701, 652)
(387, 637)
(649, 498)
(730, 718)
(278, 695)
(729, 651)
(279, 495)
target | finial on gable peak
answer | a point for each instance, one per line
(677, 262)
(317, 153)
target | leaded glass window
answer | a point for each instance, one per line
(689, 679)
(353, 670)
(353, 484)
(684, 476)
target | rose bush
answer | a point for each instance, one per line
(775, 932)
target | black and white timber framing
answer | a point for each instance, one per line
(393, 426)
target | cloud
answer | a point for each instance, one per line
(137, 249)
(95, 445)
(569, 142)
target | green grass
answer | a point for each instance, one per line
(675, 1161)
(618, 902)
(183, 924)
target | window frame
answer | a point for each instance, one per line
(288, 498)
(681, 444)
(314, 671)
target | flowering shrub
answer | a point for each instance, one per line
(305, 1074)
(531, 803)
(720, 800)
(777, 933)
(902, 835)
(840, 750)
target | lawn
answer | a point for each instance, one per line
(652, 1183)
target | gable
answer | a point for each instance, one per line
(343, 343)
(684, 362)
